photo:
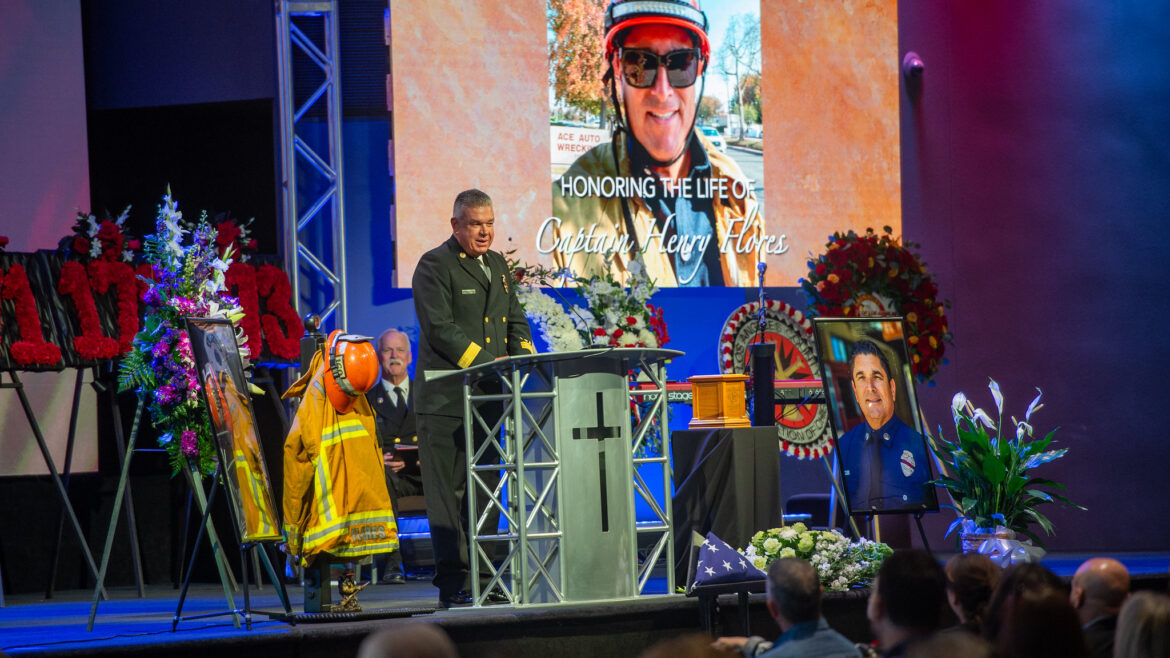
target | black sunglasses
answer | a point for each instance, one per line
(640, 67)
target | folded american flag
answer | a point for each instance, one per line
(717, 563)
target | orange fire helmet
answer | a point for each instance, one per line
(353, 369)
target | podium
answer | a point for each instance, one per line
(564, 447)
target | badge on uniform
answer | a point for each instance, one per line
(469, 291)
(504, 280)
(907, 463)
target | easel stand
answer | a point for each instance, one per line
(66, 506)
(837, 496)
(246, 548)
(225, 575)
(107, 387)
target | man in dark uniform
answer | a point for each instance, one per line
(883, 460)
(394, 419)
(468, 315)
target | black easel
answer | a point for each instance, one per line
(66, 506)
(103, 385)
(246, 549)
(922, 533)
(65, 471)
(119, 499)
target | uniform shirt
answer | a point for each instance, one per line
(389, 388)
(901, 466)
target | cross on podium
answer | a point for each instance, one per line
(600, 433)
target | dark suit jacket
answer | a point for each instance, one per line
(391, 434)
(465, 319)
(1099, 636)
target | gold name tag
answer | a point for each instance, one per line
(469, 291)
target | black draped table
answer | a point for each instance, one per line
(726, 481)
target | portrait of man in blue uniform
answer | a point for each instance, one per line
(884, 464)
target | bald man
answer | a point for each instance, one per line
(1099, 587)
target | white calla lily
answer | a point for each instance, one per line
(994, 388)
(1035, 406)
(958, 403)
(981, 416)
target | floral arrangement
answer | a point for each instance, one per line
(556, 327)
(619, 315)
(188, 282)
(106, 240)
(31, 348)
(841, 564)
(869, 275)
(232, 237)
(615, 315)
(986, 468)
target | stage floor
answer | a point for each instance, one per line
(127, 625)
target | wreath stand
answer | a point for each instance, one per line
(66, 506)
(103, 386)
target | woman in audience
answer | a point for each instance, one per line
(1143, 627)
(1015, 580)
(971, 578)
(1040, 623)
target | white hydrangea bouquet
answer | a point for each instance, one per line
(614, 315)
(840, 563)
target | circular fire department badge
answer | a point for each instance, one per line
(803, 428)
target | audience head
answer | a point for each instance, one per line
(1099, 588)
(907, 598)
(1143, 627)
(971, 578)
(1016, 579)
(408, 641)
(794, 592)
(1040, 623)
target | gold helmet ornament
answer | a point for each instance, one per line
(353, 369)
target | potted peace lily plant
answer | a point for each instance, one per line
(988, 472)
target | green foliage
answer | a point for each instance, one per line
(988, 474)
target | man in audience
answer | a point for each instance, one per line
(794, 601)
(1099, 588)
(394, 418)
(906, 600)
(409, 641)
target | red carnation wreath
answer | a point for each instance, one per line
(32, 348)
(241, 283)
(91, 345)
(272, 284)
(871, 276)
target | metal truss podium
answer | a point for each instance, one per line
(562, 442)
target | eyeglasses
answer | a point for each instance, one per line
(640, 67)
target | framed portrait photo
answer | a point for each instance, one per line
(229, 405)
(882, 455)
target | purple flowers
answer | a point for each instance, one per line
(188, 444)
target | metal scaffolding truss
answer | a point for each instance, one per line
(313, 239)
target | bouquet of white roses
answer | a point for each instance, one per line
(841, 564)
